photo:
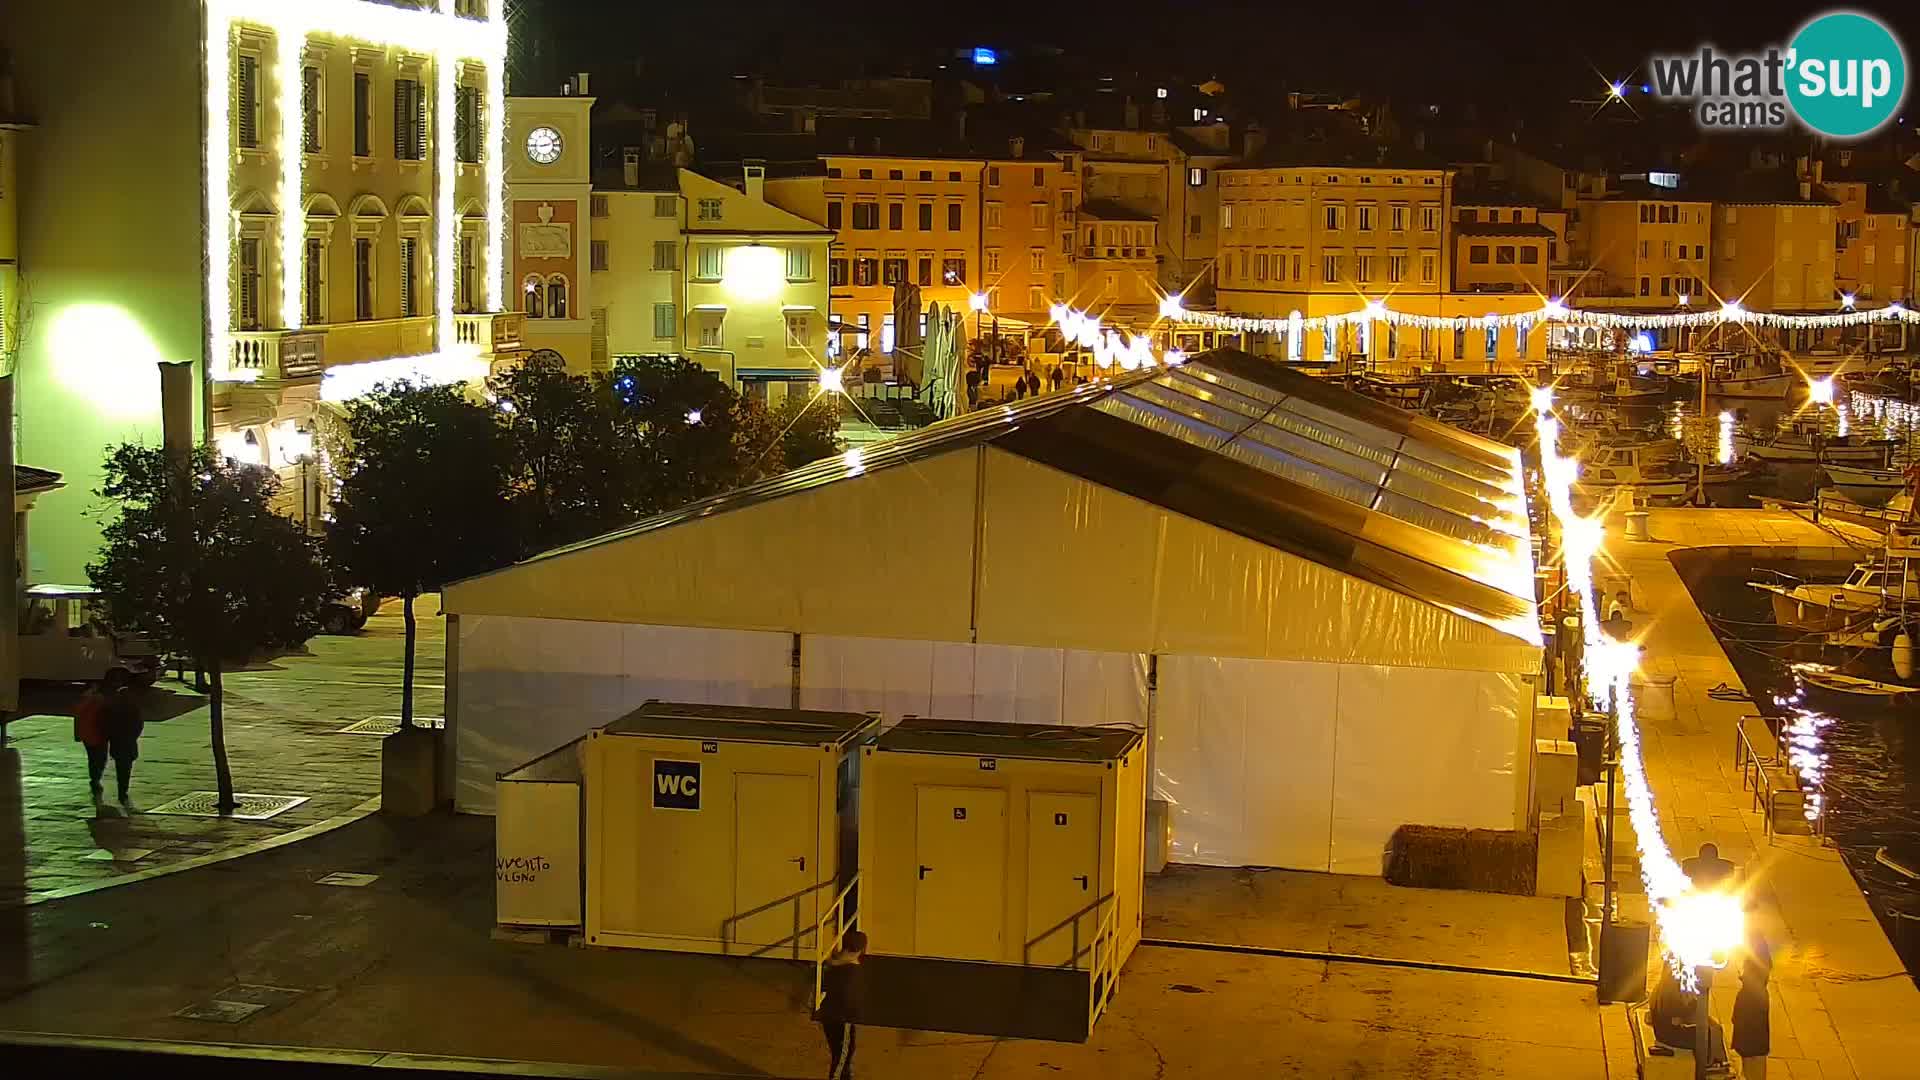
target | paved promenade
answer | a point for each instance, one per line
(283, 721)
(1842, 1004)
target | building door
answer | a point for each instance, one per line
(1063, 878)
(776, 862)
(960, 895)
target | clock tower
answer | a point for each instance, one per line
(550, 221)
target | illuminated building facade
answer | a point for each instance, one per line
(298, 199)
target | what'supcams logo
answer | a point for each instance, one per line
(1843, 76)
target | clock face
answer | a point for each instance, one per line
(543, 145)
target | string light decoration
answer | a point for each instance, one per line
(441, 35)
(1107, 346)
(1553, 311)
(1697, 928)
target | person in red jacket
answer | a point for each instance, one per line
(123, 723)
(90, 731)
(840, 1003)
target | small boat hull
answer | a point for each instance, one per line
(1811, 618)
(1770, 387)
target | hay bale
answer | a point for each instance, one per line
(1477, 860)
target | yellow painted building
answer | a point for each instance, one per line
(1501, 248)
(638, 271)
(1775, 255)
(1028, 214)
(1641, 250)
(893, 219)
(549, 197)
(302, 194)
(1872, 238)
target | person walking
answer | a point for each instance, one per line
(1752, 1033)
(90, 731)
(840, 1005)
(123, 727)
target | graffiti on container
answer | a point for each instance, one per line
(519, 869)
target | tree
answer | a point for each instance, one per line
(423, 490)
(809, 426)
(685, 424)
(197, 560)
(575, 461)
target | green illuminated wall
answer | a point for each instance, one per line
(110, 239)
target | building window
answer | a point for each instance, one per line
(953, 177)
(993, 215)
(409, 264)
(896, 215)
(866, 174)
(712, 262)
(833, 216)
(363, 278)
(665, 326)
(1503, 255)
(597, 206)
(1429, 218)
(836, 271)
(1530, 256)
(1492, 341)
(896, 174)
(923, 270)
(709, 210)
(1646, 286)
(1037, 260)
(1366, 217)
(866, 215)
(1396, 268)
(1477, 254)
(536, 297)
(1666, 285)
(248, 301)
(1520, 330)
(1428, 265)
(598, 252)
(893, 271)
(925, 211)
(953, 217)
(799, 264)
(1196, 177)
(1336, 217)
(833, 173)
(1226, 216)
(1039, 215)
(1363, 268)
(362, 114)
(1643, 249)
(313, 281)
(466, 124)
(866, 269)
(310, 99)
(953, 271)
(663, 255)
(665, 205)
(1459, 341)
(469, 266)
(246, 100)
(557, 297)
(713, 331)
(799, 332)
(409, 120)
(1397, 217)
(1329, 268)
(993, 176)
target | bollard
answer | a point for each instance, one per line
(1637, 525)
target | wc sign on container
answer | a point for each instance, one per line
(676, 785)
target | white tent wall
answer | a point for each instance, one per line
(1002, 683)
(1312, 766)
(526, 685)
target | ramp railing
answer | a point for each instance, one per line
(1101, 974)
(830, 931)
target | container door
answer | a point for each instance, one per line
(1063, 878)
(776, 862)
(961, 888)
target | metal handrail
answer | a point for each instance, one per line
(836, 913)
(1100, 973)
(1755, 776)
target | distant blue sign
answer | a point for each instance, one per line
(985, 57)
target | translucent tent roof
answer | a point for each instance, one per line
(1235, 442)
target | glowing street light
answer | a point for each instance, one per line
(977, 301)
(1617, 90)
(1820, 391)
(1170, 307)
(1846, 301)
(693, 416)
(832, 381)
(1541, 398)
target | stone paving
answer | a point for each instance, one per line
(1843, 1006)
(282, 719)
(405, 963)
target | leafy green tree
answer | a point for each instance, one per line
(196, 560)
(685, 425)
(422, 500)
(810, 428)
(576, 459)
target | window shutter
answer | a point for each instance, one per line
(310, 109)
(246, 88)
(401, 116)
(362, 114)
(419, 122)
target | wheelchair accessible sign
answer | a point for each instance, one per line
(1844, 75)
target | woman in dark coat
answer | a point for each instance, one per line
(1751, 1036)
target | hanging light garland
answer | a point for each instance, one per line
(1111, 348)
(1553, 311)
(1698, 928)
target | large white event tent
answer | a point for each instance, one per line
(1319, 607)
